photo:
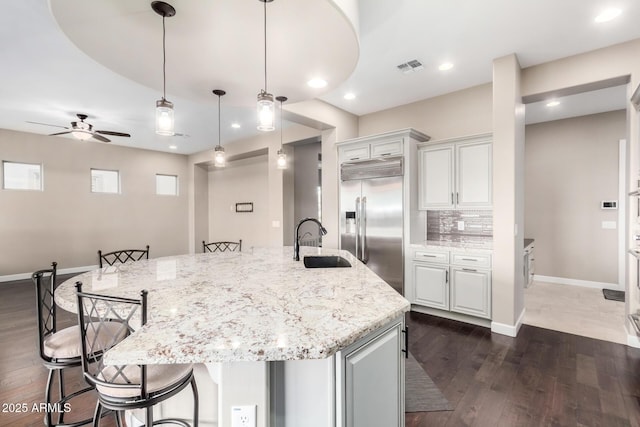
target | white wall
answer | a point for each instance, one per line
(571, 165)
(68, 224)
(241, 181)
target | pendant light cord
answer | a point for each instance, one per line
(281, 125)
(164, 62)
(219, 121)
(265, 46)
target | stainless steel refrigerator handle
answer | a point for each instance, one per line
(365, 257)
(357, 225)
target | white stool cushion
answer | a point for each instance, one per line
(158, 378)
(65, 344)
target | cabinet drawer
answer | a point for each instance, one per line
(359, 152)
(386, 148)
(434, 257)
(471, 260)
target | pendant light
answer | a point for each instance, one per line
(282, 156)
(165, 123)
(265, 99)
(219, 158)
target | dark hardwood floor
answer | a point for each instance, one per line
(22, 375)
(540, 378)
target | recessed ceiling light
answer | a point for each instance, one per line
(445, 66)
(350, 96)
(317, 83)
(553, 103)
(173, 147)
(235, 125)
(608, 14)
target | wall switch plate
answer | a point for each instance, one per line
(460, 225)
(243, 416)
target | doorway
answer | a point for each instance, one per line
(574, 173)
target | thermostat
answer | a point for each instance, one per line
(609, 204)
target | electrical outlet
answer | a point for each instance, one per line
(460, 225)
(243, 416)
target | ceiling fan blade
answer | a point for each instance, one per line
(59, 133)
(100, 138)
(46, 124)
(108, 132)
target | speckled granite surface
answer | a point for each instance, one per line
(249, 306)
(458, 243)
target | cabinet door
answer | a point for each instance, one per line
(374, 382)
(435, 185)
(386, 148)
(471, 291)
(354, 152)
(473, 174)
(431, 285)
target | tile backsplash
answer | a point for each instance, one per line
(448, 222)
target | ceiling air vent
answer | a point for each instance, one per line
(410, 66)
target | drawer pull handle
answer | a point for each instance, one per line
(429, 256)
(385, 154)
(470, 259)
(469, 269)
(355, 158)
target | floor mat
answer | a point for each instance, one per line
(421, 394)
(613, 295)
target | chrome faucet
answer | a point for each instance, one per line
(296, 236)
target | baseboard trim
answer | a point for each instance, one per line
(452, 315)
(24, 276)
(508, 330)
(633, 341)
(576, 282)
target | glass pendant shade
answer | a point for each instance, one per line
(219, 158)
(282, 160)
(266, 114)
(164, 118)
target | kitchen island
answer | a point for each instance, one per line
(304, 345)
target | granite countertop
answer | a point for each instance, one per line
(458, 243)
(256, 305)
(528, 242)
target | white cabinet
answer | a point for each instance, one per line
(431, 285)
(529, 264)
(471, 291)
(455, 174)
(371, 376)
(436, 188)
(456, 281)
(370, 150)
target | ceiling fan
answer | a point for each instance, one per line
(83, 130)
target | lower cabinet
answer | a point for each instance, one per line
(431, 285)
(454, 281)
(371, 374)
(471, 291)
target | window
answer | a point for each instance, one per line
(103, 181)
(21, 176)
(167, 185)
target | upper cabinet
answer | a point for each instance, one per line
(455, 173)
(370, 150)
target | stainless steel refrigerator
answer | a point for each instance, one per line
(371, 216)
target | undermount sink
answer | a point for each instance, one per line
(327, 261)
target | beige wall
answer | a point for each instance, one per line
(570, 167)
(68, 224)
(460, 113)
(508, 203)
(241, 181)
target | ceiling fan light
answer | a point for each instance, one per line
(219, 157)
(82, 135)
(165, 121)
(282, 160)
(265, 112)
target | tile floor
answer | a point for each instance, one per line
(575, 310)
